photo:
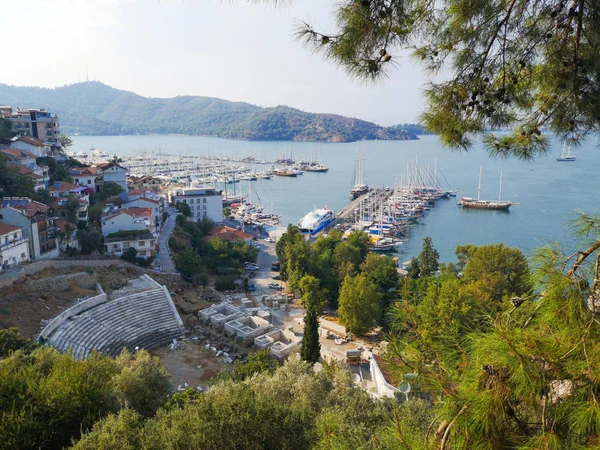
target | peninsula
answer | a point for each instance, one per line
(97, 109)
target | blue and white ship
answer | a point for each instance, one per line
(316, 220)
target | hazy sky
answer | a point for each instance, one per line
(227, 49)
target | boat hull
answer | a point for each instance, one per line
(320, 227)
(486, 205)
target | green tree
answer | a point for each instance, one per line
(6, 132)
(359, 304)
(110, 189)
(90, 240)
(428, 258)
(66, 141)
(183, 208)
(142, 382)
(72, 207)
(258, 362)
(130, 255)
(11, 340)
(522, 64)
(501, 271)
(381, 271)
(312, 294)
(311, 347)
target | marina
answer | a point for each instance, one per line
(546, 198)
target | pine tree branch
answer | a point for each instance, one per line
(450, 426)
(582, 257)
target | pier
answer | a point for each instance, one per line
(370, 201)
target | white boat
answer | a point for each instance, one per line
(568, 157)
(316, 220)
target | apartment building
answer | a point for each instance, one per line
(38, 226)
(37, 123)
(14, 248)
(203, 202)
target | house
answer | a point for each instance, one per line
(85, 176)
(228, 234)
(18, 156)
(65, 191)
(127, 219)
(114, 172)
(145, 202)
(144, 182)
(32, 145)
(38, 226)
(36, 123)
(119, 242)
(67, 235)
(39, 182)
(203, 202)
(14, 247)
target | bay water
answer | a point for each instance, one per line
(548, 193)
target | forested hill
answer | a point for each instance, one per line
(97, 109)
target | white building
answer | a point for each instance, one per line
(38, 226)
(127, 219)
(115, 173)
(30, 144)
(36, 123)
(147, 203)
(119, 242)
(203, 202)
(84, 176)
(14, 248)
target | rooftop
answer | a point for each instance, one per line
(83, 171)
(6, 228)
(13, 153)
(129, 235)
(24, 204)
(29, 140)
(227, 234)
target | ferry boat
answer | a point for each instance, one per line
(316, 220)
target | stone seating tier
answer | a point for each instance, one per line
(144, 320)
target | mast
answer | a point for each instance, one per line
(479, 188)
(500, 191)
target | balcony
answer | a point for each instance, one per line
(12, 244)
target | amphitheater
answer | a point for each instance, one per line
(139, 315)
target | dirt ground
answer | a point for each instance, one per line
(190, 364)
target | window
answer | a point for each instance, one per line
(15, 236)
(1, 217)
(143, 253)
(203, 200)
(142, 243)
(89, 182)
(115, 246)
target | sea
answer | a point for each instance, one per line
(549, 194)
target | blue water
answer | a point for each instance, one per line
(548, 192)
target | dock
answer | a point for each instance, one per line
(371, 199)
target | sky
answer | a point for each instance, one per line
(228, 49)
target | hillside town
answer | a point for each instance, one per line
(77, 215)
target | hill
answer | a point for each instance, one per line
(97, 109)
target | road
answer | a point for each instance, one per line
(166, 263)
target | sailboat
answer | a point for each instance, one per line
(568, 157)
(360, 186)
(468, 202)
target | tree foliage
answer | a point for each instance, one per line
(359, 304)
(428, 259)
(520, 64)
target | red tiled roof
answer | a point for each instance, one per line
(227, 234)
(61, 223)
(134, 211)
(83, 171)
(31, 140)
(17, 153)
(63, 186)
(6, 228)
(156, 202)
(29, 209)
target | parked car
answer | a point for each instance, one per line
(269, 239)
(251, 268)
(275, 268)
(251, 287)
(276, 277)
(274, 285)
